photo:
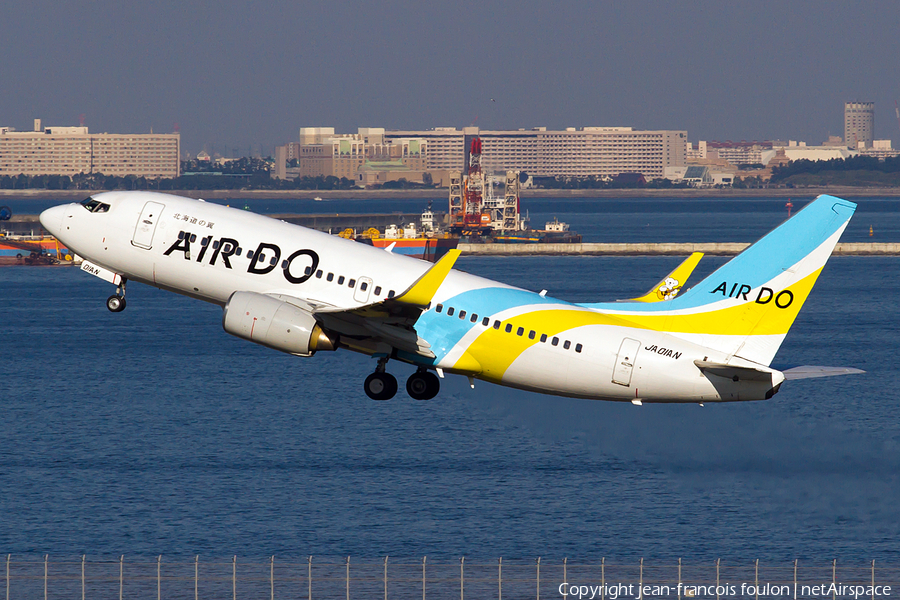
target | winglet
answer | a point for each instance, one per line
(423, 290)
(666, 289)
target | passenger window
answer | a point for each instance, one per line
(462, 314)
(391, 294)
(450, 312)
(520, 331)
(260, 258)
(496, 324)
(486, 321)
(193, 237)
(204, 242)
(341, 280)
(215, 243)
(364, 286)
(543, 337)
(377, 290)
(249, 254)
(351, 283)
(307, 270)
(319, 274)
(274, 260)
(439, 308)
(567, 344)
(330, 277)
(555, 341)
(181, 235)
(238, 251)
(474, 318)
(508, 327)
(578, 347)
(284, 264)
(531, 334)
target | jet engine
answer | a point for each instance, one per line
(275, 323)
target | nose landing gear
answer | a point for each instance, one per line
(116, 302)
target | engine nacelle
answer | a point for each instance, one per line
(274, 323)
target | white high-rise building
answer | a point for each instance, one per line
(859, 125)
(72, 150)
(547, 153)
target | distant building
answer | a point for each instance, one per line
(702, 175)
(364, 157)
(73, 150)
(859, 124)
(589, 151)
(736, 153)
(800, 151)
(881, 149)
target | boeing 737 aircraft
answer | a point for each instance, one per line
(302, 291)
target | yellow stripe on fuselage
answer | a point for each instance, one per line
(495, 349)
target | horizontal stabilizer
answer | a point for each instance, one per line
(730, 371)
(810, 371)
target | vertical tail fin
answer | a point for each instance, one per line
(746, 307)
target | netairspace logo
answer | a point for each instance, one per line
(746, 590)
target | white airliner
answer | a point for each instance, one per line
(302, 291)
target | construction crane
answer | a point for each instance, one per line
(897, 110)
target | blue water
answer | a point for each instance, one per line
(153, 432)
(611, 220)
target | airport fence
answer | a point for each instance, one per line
(32, 578)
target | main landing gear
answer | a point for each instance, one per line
(423, 385)
(381, 385)
(116, 302)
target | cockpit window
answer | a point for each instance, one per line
(95, 206)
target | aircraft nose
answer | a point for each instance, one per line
(52, 218)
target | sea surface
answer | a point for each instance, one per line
(153, 432)
(610, 220)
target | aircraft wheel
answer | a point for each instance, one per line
(423, 385)
(115, 303)
(380, 386)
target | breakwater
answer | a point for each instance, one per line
(657, 249)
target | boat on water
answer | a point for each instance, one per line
(426, 240)
(32, 250)
(554, 232)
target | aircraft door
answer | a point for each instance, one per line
(146, 225)
(363, 289)
(625, 361)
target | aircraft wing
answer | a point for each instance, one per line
(391, 320)
(672, 283)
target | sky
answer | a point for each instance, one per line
(234, 76)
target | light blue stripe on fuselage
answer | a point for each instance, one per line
(444, 332)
